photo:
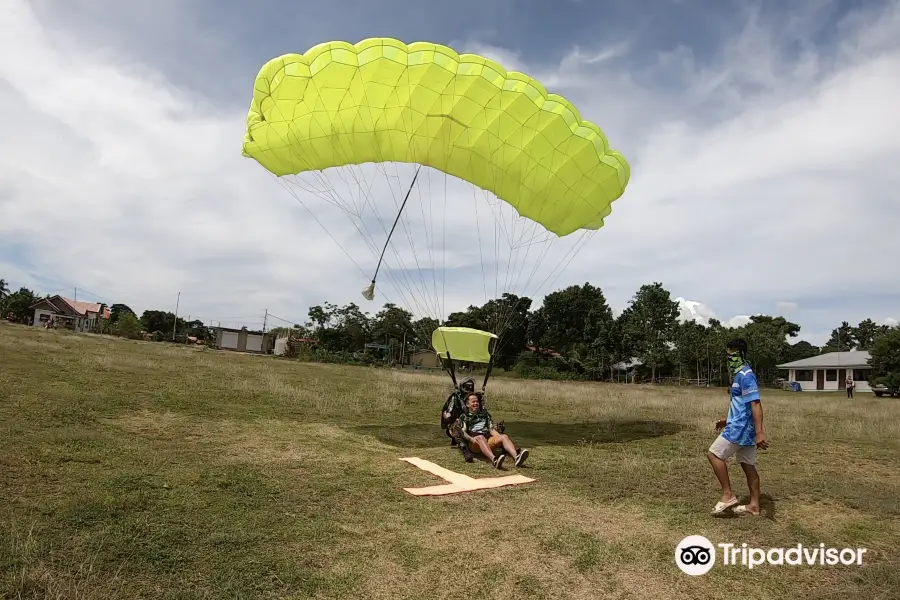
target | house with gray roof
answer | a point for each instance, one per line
(829, 371)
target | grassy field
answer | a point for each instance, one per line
(140, 470)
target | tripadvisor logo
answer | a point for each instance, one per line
(696, 555)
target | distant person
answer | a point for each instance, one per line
(476, 427)
(742, 432)
(850, 385)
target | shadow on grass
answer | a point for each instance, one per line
(526, 433)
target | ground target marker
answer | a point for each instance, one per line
(457, 482)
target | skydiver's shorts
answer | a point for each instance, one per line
(725, 450)
(493, 441)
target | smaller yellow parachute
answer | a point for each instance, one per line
(463, 344)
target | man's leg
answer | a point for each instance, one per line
(720, 450)
(721, 470)
(747, 457)
(752, 483)
(503, 440)
(480, 442)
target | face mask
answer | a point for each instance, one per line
(735, 362)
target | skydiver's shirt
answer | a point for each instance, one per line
(479, 423)
(739, 428)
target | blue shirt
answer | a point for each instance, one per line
(739, 428)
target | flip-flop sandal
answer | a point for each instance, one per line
(721, 507)
(743, 510)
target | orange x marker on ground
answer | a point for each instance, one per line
(458, 482)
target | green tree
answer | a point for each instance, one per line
(353, 328)
(19, 304)
(578, 314)
(866, 333)
(885, 358)
(116, 309)
(690, 348)
(391, 325)
(767, 340)
(322, 322)
(799, 351)
(423, 329)
(128, 326)
(649, 325)
(842, 339)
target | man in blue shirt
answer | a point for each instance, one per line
(742, 432)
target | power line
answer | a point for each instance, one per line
(290, 322)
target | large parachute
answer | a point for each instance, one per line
(370, 127)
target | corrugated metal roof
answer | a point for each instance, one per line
(77, 306)
(858, 358)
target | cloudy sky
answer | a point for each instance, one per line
(761, 139)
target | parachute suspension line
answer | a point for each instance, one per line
(369, 292)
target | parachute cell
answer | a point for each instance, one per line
(382, 100)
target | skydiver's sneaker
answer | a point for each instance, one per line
(498, 461)
(521, 457)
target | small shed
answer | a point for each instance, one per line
(424, 358)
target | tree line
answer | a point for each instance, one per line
(572, 335)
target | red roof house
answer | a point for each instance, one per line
(70, 314)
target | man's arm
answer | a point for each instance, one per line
(761, 440)
(750, 393)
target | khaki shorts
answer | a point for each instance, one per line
(725, 450)
(493, 441)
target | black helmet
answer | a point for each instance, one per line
(468, 385)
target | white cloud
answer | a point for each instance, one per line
(691, 310)
(752, 175)
(756, 160)
(737, 321)
(891, 322)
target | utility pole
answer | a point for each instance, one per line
(266, 318)
(403, 349)
(76, 295)
(175, 325)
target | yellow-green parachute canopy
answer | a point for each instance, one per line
(382, 100)
(464, 343)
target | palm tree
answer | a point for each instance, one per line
(4, 289)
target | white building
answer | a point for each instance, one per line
(243, 340)
(829, 371)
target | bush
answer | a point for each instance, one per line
(127, 326)
(157, 336)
